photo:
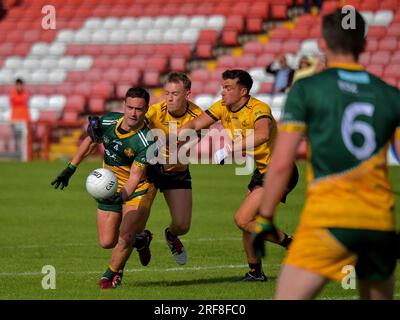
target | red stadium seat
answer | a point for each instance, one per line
(208, 36)
(122, 89)
(93, 74)
(157, 63)
(234, 22)
(389, 5)
(291, 46)
(380, 57)
(389, 44)
(102, 89)
(200, 75)
(120, 62)
(226, 62)
(280, 34)
(372, 45)
(395, 57)
(97, 106)
(75, 103)
(187, 9)
(375, 69)
(151, 78)
(131, 75)
(177, 64)
(65, 89)
(254, 25)
(376, 32)
(112, 75)
(229, 38)
(279, 11)
(83, 88)
(392, 70)
(211, 87)
(266, 87)
(365, 58)
(184, 49)
(74, 50)
(197, 88)
(369, 5)
(240, 8)
(127, 49)
(70, 116)
(265, 59)
(394, 30)
(329, 6)
(48, 115)
(246, 61)
(259, 9)
(274, 47)
(301, 33)
(204, 9)
(254, 47)
(204, 51)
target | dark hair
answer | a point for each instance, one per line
(177, 77)
(344, 40)
(19, 81)
(244, 77)
(138, 92)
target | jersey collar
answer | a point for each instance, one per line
(348, 66)
(180, 116)
(244, 105)
(126, 135)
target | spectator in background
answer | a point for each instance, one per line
(308, 66)
(283, 75)
(312, 6)
(19, 97)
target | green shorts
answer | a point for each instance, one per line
(376, 251)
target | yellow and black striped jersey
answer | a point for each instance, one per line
(158, 117)
(244, 119)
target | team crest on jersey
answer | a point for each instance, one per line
(106, 140)
(245, 123)
(128, 152)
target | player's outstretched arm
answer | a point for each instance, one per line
(201, 122)
(85, 148)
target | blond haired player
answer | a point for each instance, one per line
(173, 179)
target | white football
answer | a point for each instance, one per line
(101, 183)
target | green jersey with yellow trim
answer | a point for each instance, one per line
(124, 149)
(347, 114)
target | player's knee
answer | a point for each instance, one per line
(107, 242)
(241, 221)
(181, 227)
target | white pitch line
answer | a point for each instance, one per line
(230, 266)
(35, 246)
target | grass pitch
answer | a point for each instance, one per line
(41, 226)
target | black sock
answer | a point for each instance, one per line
(286, 241)
(257, 267)
(171, 237)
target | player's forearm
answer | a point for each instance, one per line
(131, 184)
(85, 148)
(250, 143)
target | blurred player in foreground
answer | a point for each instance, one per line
(122, 219)
(238, 112)
(174, 179)
(349, 117)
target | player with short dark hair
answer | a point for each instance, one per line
(238, 111)
(121, 220)
(173, 179)
(349, 117)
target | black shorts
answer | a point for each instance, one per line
(258, 179)
(169, 180)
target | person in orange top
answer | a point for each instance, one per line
(19, 97)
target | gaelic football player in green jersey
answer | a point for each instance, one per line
(347, 227)
(121, 220)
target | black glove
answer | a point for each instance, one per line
(117, 198)
(93, 129)
(264, 226)
(64, 176)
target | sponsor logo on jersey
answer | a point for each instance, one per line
(129, 152)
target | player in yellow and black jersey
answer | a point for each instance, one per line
(239, 113)
(173, 179)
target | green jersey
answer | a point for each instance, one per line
(124, 149)
(349, 117)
